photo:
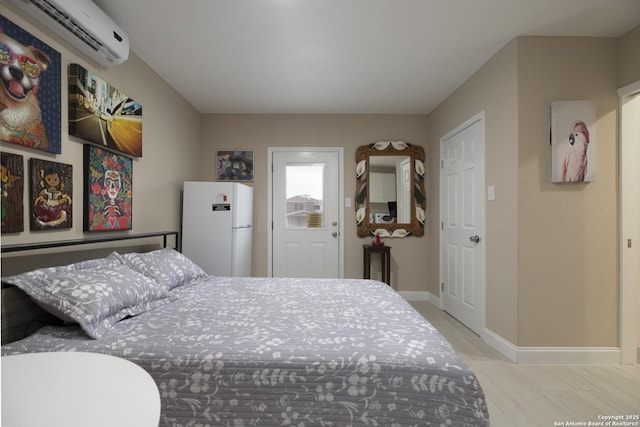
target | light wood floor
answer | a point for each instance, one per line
(541, 395)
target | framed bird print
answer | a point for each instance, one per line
(573, 141)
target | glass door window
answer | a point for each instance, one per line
(305, 194)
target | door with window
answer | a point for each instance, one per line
(306, 214)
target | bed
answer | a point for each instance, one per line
(229, 351)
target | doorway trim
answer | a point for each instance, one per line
(340, 152)
(480, 119)
(629, 228)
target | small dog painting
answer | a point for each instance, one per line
(573, 141)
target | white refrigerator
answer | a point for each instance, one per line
(217, 220)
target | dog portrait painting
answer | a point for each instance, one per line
(29, 90)
(573, 141)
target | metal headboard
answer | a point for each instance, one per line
(20, 247)
(20, 315)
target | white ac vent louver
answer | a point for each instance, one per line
(84, 25)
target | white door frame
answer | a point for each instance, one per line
(629, 227)
(480, 117)
(270, 151)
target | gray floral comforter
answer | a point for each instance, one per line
(299, 352)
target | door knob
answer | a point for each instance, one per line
(475, 239)
(334, 234)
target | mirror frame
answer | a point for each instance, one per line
(418, 201)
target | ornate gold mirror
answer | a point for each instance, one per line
(390, 197)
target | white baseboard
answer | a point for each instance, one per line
(420, 296)
(501, 345)
(553, 355)
(534, 355)
(569, 355)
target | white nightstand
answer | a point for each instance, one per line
(74, 389)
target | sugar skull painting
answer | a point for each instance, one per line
(108, 190)
(51, 191)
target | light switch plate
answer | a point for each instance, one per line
(491, 192)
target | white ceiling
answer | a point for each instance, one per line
(341, 56)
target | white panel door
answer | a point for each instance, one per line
(306, 217)
(629, 222)
(462, 223)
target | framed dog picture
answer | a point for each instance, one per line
(573, 141)
(51, 192)
(108, 189)
(101, 114)
(234, 165)
(30, 95)
(12, 193)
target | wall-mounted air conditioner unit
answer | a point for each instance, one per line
(84, 25)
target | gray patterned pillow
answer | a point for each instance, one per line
(111, 260)
(166, 266)
(96, 298)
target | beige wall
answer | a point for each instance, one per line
(551, 248)
(567, 233)
(492, 89)
(628, 57)
(171, 132)
(258, 132)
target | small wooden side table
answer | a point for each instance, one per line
(385, 254)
